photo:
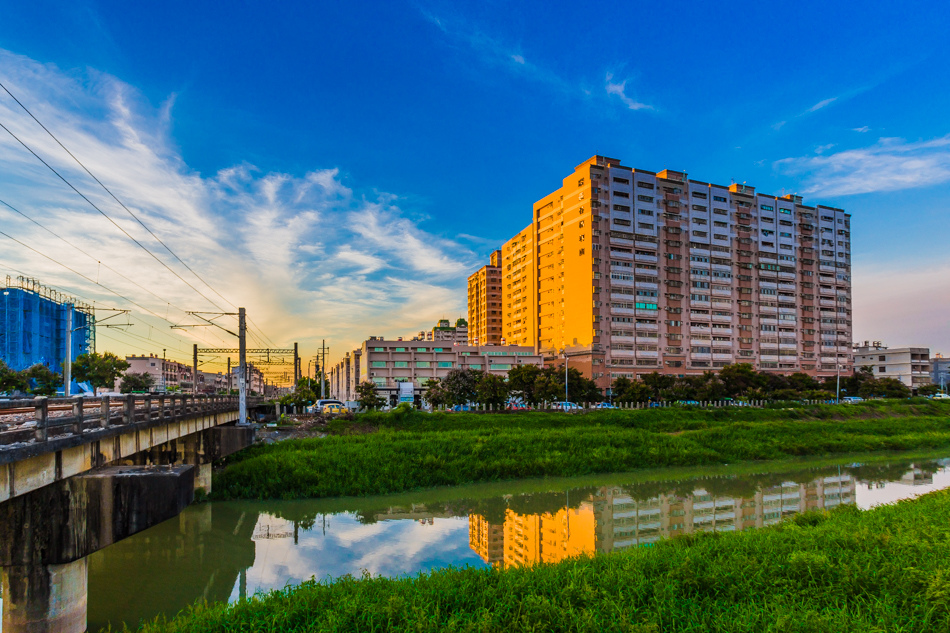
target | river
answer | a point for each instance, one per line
(228, 550)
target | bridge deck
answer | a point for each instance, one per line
(38, 451)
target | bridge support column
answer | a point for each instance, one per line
(57, 526)
(40, 598)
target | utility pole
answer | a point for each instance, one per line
(837, 381)
(323, 363)
(68, 365)
(242, 372)
(164, 369)
(296, 365)
(229, 375)
(565, 376)
(194, 371)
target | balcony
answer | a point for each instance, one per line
(721, 293)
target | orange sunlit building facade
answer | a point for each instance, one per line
(628, 272)
(484, 304)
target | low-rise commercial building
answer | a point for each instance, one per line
(400, 367)
(910, 365)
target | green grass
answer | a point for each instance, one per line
(887, 569)
(426, 450)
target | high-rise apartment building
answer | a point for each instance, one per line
(627, 272)
(484, 303)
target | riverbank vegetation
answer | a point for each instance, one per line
(410, 450)
(879, 570)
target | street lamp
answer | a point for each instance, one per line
(564, 351)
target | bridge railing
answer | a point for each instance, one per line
(40, 419)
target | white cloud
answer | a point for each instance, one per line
(307, 257)
(861, 129)
(620, 90)
(821, 149)
(890, 164)
(822, 104)
(518, 59)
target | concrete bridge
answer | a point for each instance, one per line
(77, 475)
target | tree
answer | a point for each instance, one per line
(626, 390)
(99, 370)
(46, 382)
(11, 380)
(135, 382)
(884, 387)
(461, 385)
(657, 383)
(367, 397)
(738, 379)
(523, 383)
(436, 394)
(491, 390)
(925, 390)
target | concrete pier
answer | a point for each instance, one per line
(49, 532)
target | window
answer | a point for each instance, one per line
(500, 366)
(622, 181)
(379, 349)
(445, 363)
(719, 199)
(882, 369)
(399, 349)
(437, 349)
(645, 185)
(401, 364)
(697, 194)
(788, 211)
(645, 198)
(378, 363)
(645, 211)
(766, 207)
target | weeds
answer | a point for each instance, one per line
(414, 450)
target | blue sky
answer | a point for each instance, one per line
(362, 159)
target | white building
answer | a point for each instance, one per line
(910, 365)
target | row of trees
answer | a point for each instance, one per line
(740, 380)
(100, 371)
(534, 385)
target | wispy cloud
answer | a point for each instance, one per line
(861, 129)
(307, 255)
(620, 90)
(821, 104)
(494, 51)
(890, 164)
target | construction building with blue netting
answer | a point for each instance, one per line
(33, 325)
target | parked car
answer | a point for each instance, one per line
(689, 402)
(851, 400)
(333, 407)
(319, 405)
(603, 405)
(518, 406)
(940, 396)
(461, 407)
(567, 406)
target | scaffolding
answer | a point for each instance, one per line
(33, 325)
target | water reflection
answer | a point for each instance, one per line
(226, 551)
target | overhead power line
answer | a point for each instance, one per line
(121, 204)
(129, 211)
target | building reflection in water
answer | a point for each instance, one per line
(613, 518)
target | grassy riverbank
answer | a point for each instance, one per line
(881, 570)
(426, 450)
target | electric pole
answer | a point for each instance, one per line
(229, 375)
(194, 371)
(296, 365)
(242, 372)
(323, 364)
